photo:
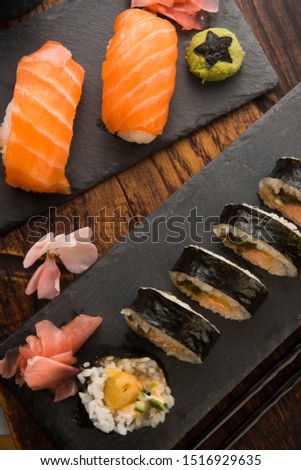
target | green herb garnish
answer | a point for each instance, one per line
(140, 406)
(157, 404)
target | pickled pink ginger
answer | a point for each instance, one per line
(185, 12)
(47, 359)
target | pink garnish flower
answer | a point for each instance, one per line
(75, 251)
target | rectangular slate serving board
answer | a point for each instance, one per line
(85, 28)
(112, 283)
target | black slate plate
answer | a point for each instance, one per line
(85, 28)
(113, 281)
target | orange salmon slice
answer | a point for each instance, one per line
(260, 258)
(215, 303)
(47, 92)
(139, 74)
(292, 211)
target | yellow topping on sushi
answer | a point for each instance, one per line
(121, 388)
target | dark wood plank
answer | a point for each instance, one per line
(283, 419)
(139, 191)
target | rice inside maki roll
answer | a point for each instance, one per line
(171, 325)
(262, 238)
(281, 190)
(124, 394)
(218, 284)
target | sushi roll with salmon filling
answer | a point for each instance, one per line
(262, 238)
(124, 394)
(281, 190)
(171, 325)
(217, 284)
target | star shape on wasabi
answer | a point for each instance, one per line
(215, 49)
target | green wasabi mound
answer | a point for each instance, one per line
(214, 54)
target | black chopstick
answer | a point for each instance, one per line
(253, 390)
(254, 417)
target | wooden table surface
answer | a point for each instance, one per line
(276, 24)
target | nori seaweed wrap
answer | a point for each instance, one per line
(281, 190)
(171, 324)
(218, 284)
(262, 238)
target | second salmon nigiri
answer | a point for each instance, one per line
(37, 129)
(139, 76)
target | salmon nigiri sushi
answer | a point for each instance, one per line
(139, 76)
(37, 129)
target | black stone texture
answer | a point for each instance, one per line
(86, 28)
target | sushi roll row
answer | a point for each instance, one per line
(215, 283)
(123, 394)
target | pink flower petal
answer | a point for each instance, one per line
(37, 250)
(34, 281)
(49, 284)
(79, 257)
(75, 250)
(83, 234)
(46, 280)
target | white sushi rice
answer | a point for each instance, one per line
(5, 129)
(93, 381)
(139, 137)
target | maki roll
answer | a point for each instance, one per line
(281, 190)
(262, 238)
(217, 284)
(171, 324)
(124, 394)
